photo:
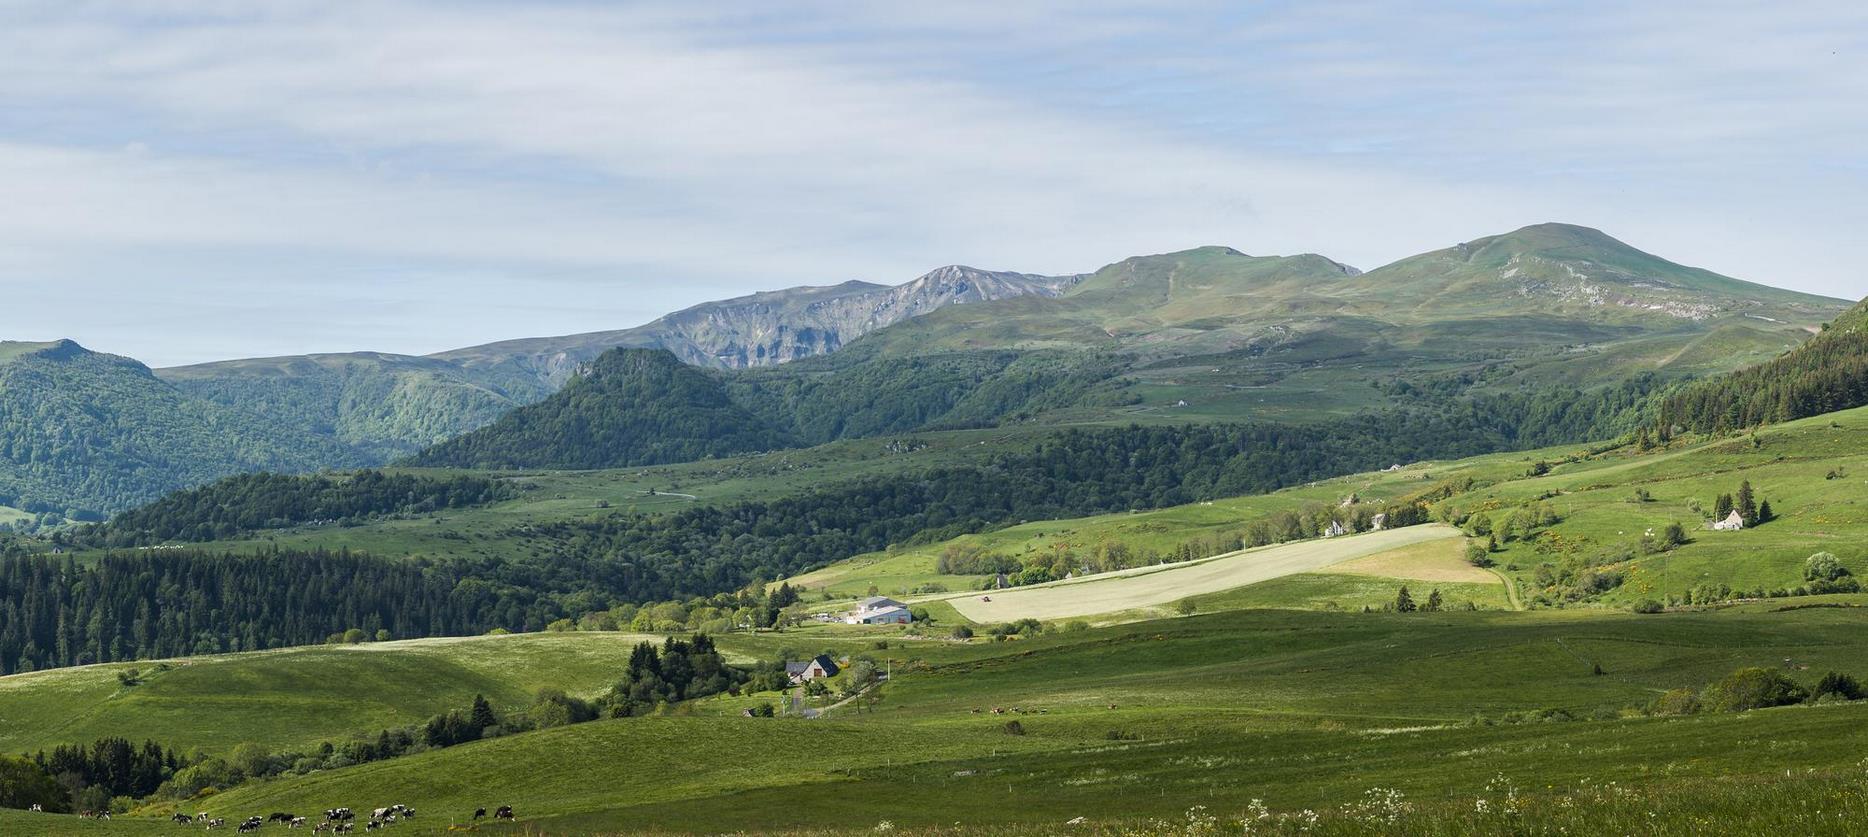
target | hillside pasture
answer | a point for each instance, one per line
(300, 696)
(1150, 718)
(1151, 586)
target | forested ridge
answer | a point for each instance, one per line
(82, 434)
(645, 407)
(630, 407)
(249, 502)
(1826, 374)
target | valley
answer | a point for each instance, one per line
(1195, 536)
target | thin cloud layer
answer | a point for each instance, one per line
(296, 176)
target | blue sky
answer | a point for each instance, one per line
(187, 181)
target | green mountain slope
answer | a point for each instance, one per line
(1828, 373)
(634, 406)
(88, 432)
(384, 406)
(380, 405)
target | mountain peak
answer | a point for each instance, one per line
(59, 349)
(1553, 239)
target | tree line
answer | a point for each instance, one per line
(1826, 374)
(645, 407)
(55, 611)
(250, 502)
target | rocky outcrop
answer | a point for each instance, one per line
(767, 328)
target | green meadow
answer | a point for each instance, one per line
(1302, 710)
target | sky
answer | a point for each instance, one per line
(197, 180)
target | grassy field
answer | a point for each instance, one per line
(1302, 710)
(299, 696)
(1813, 472)
(900, 572)
(1151, 586)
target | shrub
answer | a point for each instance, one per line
(1753, 688)
(1647, 606)
(1675, 702)
(962, 632)
(1823, 566)
(1014, 728)
(1477, 555)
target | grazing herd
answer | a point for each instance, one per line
(336, 820)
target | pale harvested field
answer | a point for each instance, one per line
(1112, 592)
(1441, 560)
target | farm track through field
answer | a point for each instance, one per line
(1150, 586)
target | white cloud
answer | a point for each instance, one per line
(662, 155)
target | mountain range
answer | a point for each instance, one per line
(1202, 334)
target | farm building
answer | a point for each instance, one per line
(897, 615)
(876, 603)
(879, 610)
(816, 668)
(1732, 523)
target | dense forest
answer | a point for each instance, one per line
(83, 434)
(630, 407)
(57, 612)
(1826, 374)
(250, 502)
(644, 407)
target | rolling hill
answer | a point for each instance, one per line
(84, 433)
(1125, 727)
(1548, 285)
(385, 406)
(1202, 335)
(634, 407)
(1828, 373)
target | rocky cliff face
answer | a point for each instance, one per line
(767, 328)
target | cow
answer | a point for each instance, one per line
(295, 822)
(479, 814)
(408, 813)
(504, 813)
(279, 817)
(181, 818)
(37, 808)
(216, 822)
